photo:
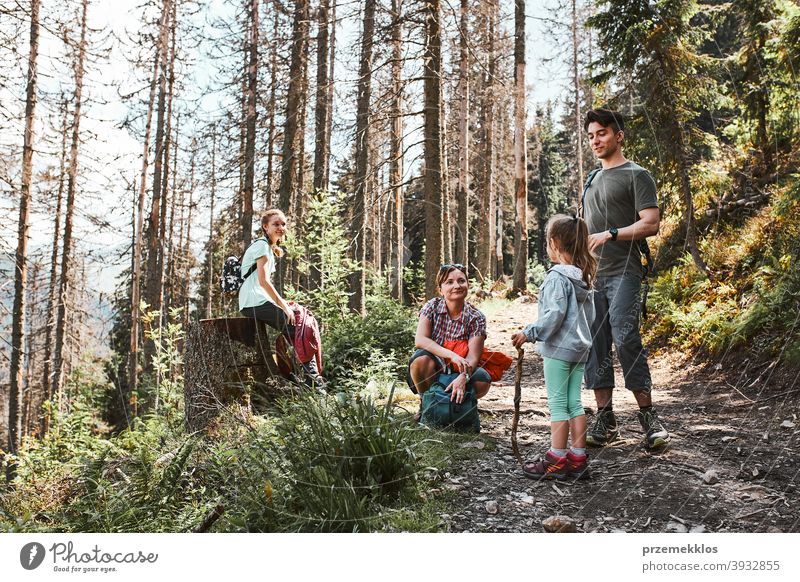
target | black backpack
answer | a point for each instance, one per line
(232, 279)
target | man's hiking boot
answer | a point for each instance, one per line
(604, 429)
(655, 433)
(550, 467)
(578, 466)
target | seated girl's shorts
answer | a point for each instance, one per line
(479, 375)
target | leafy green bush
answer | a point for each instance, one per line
(753, 301)
(357, 349)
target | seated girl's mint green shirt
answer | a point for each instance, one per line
(251, 293)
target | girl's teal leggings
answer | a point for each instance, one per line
(563, 381)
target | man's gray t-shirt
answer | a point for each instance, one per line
(614, 199)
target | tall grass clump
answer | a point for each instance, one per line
(324, 466)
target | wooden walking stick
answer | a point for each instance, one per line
(517, 398)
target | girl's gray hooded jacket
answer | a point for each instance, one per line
(566, 313)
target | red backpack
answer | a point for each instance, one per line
(307, 340)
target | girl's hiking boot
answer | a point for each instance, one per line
(655, 433)
(578, 466)
(550, 467)
(604, 430)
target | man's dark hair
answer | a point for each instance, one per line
(606, 118)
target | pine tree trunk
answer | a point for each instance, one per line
(462, 191)
(488, 216)
(66, 246)
(396, 147)
(322, 111)
(186, 249)
(331, 69)
(165, 195)
(30, 399)
(576, 80)
(18, 349)
(294, 103)
(250, 124)
(211, 245)
(520, 282)
(52, 302)
(152, 293)
(168, 276)
(270, 201)
(357, 280)
(432, 176)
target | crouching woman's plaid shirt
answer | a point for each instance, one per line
(469, 324)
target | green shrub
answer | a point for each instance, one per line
(378, 346)
(148, 490)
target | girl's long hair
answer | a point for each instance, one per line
(265, 219)
(571, 236)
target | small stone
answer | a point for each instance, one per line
(473, 445)
(675, 527)
(698, 529)
(787, 424)
(559, 524)
(774, 529)
(727, 439)
(527, 500)
(492, 508)
(765, 437)
(710, 477)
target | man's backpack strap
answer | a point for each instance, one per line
(588, 183)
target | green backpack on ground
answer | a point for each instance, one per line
(438, 411)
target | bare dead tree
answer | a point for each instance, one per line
(133, 356)
(18, 349)
(251, 119)
(520, 153)
(66, 246)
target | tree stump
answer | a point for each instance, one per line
(226, 362)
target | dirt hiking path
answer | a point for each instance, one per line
(731, 465)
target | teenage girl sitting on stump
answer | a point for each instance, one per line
(258, 297)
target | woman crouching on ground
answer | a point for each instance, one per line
(258, 297)
(443, 319)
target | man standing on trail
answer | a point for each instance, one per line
(620, 208)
